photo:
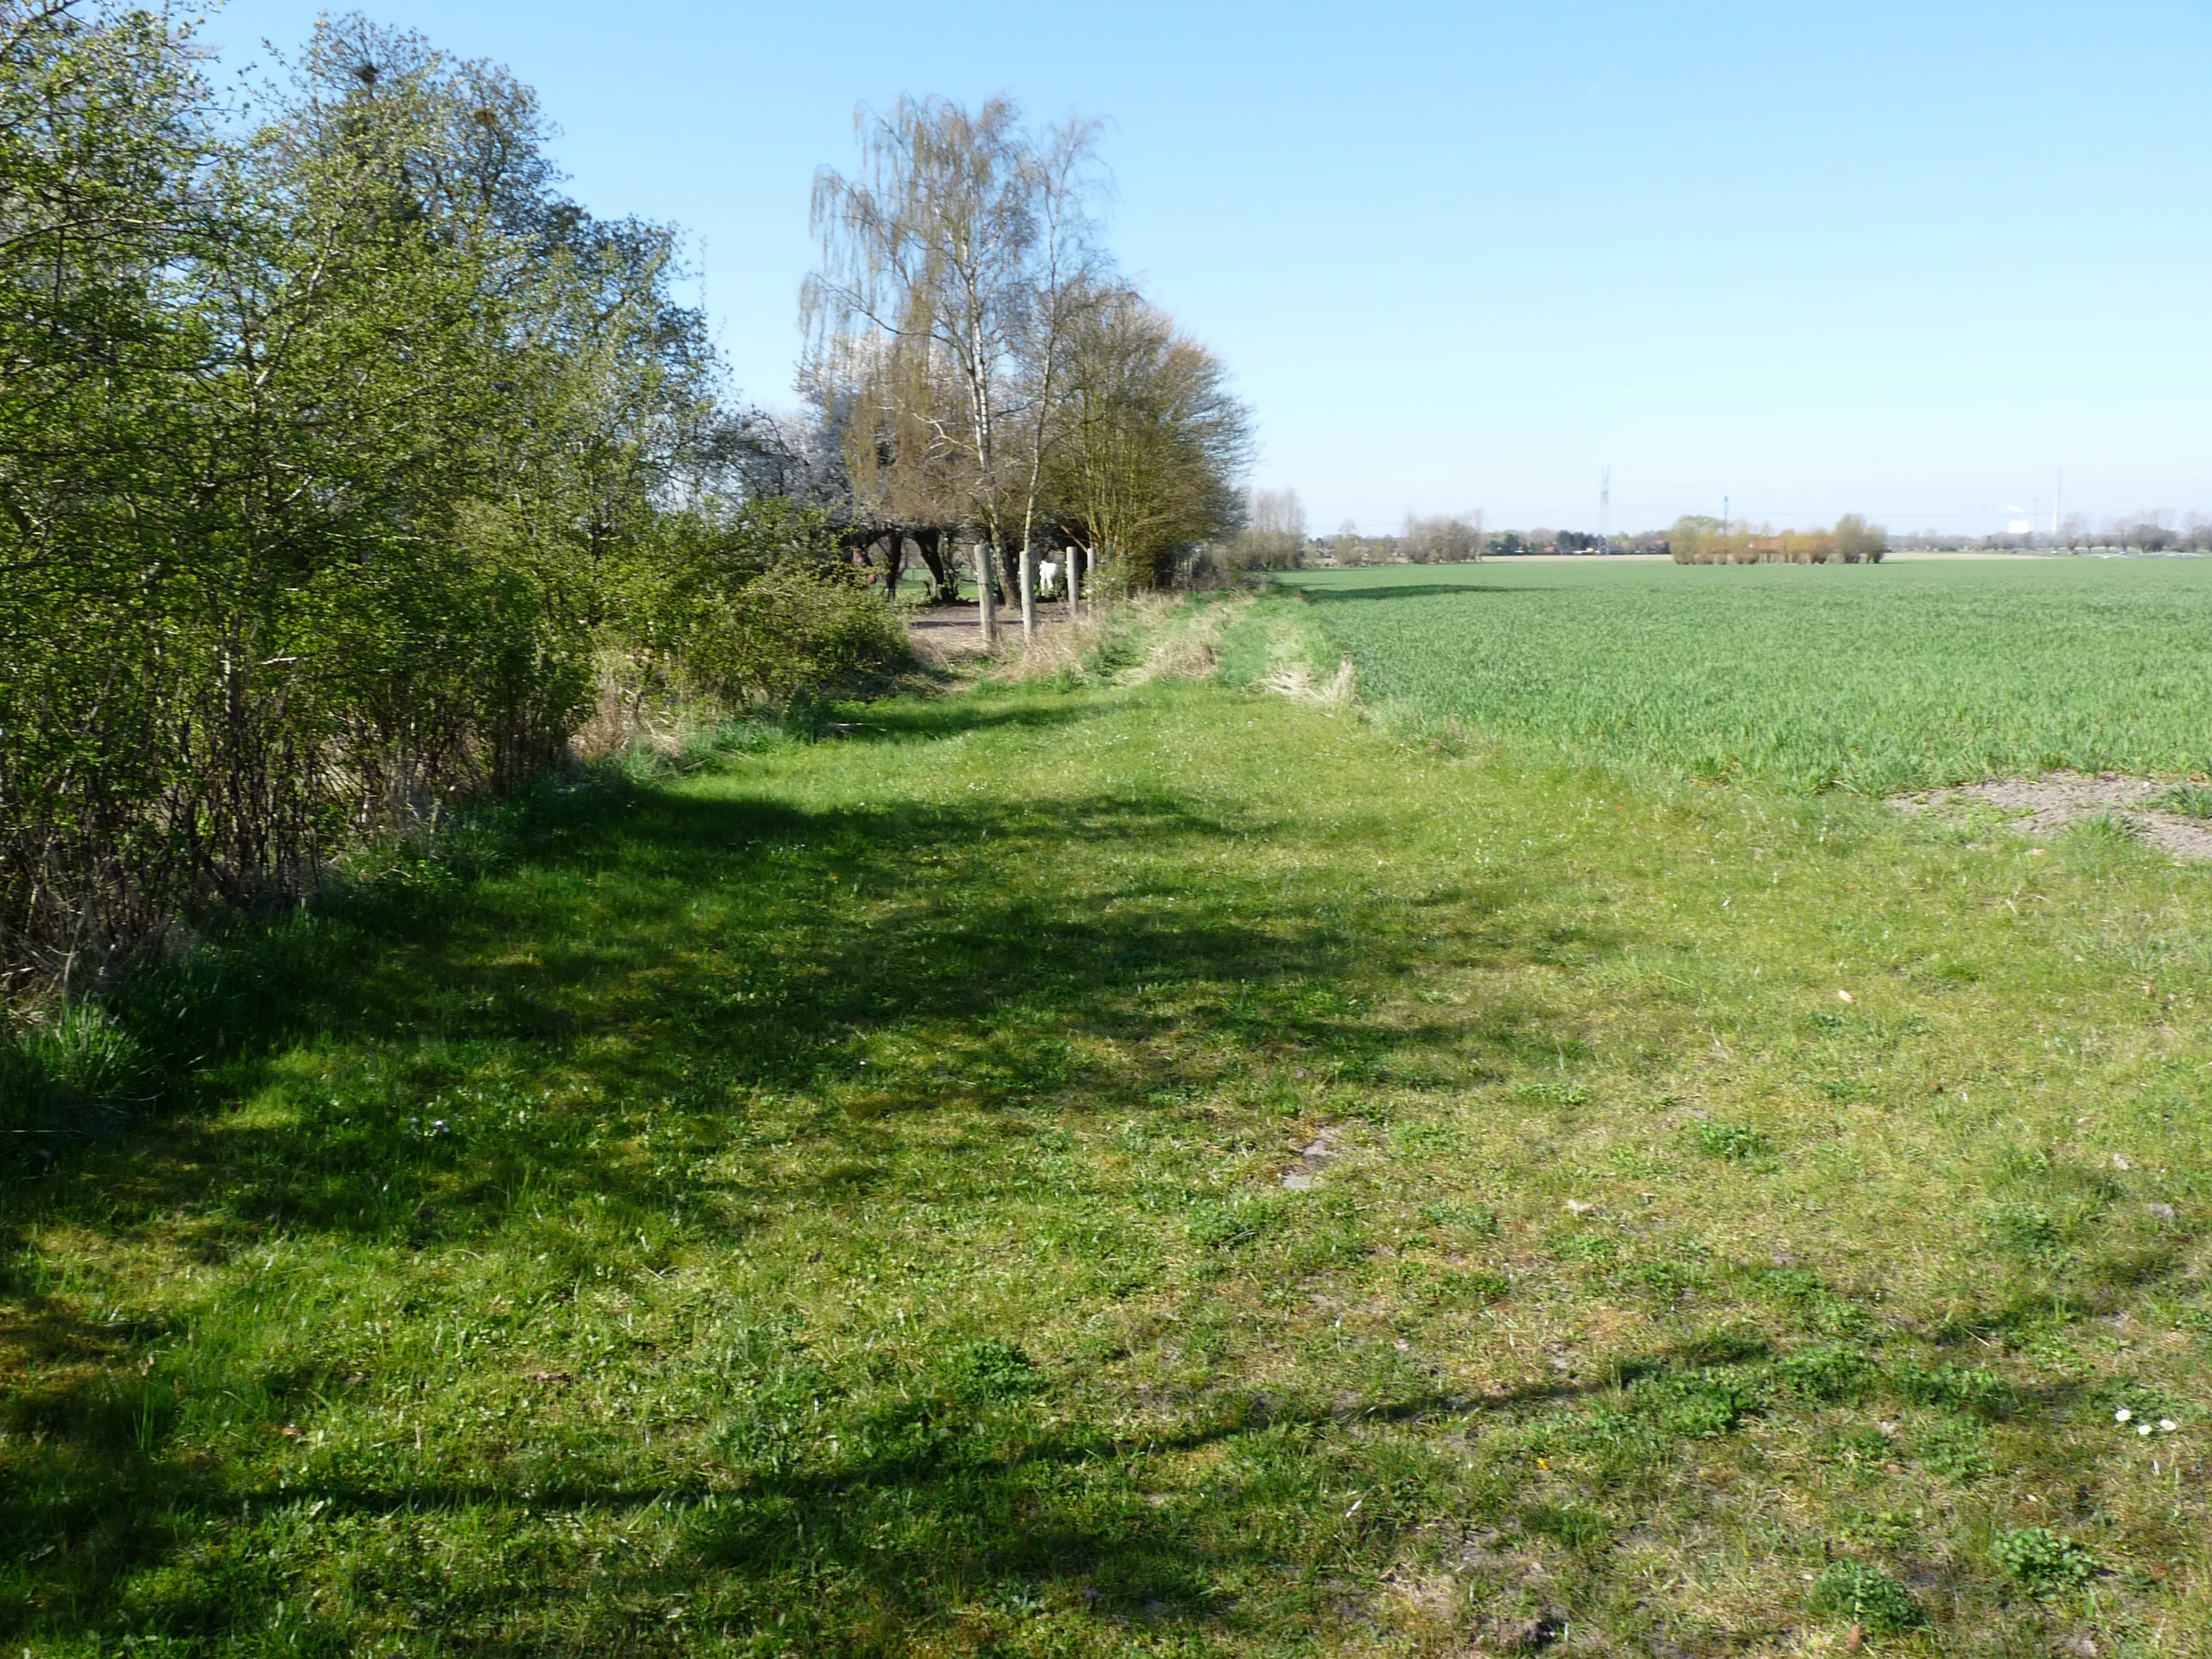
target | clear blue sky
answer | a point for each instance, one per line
(1907, 259)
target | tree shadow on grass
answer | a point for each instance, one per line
(907, 1518)
(674, 951)
(950, 717)
(925, 1512)
(424, 1050)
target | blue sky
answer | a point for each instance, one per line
(1908, 260)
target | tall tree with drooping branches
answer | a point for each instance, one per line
(953, 269)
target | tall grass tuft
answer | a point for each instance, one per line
(68, 1071)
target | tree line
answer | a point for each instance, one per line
(1696, 539)
(1458, 538)
(2129, 532)
(348, 466)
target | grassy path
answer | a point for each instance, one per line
(834, 1203)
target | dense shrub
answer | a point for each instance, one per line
(336, 449)
(799, 626)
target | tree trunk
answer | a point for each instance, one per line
(929, 543)
(1074, 582)
(1027, 561)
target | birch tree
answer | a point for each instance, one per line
(954, 266)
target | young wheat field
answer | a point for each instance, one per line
(1092, 1168)
(1874, 678)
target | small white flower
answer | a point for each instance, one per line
(2123, 1415)
(2167, 1425)
(2143, 1428)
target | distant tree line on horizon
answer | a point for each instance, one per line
(1698, 540)
(1692, 539)
(2132, 533)
(1273, 538)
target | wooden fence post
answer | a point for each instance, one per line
(987, 596)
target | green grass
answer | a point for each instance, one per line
(1871, 677)
(2190, 800)
(831, 1203)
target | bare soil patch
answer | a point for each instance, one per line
(949, 632)
(2039, 807)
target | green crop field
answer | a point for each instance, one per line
(1873, 678)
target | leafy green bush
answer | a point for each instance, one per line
(2043, 1562)
(323, 464)
(802, 626)
(1867, 1596)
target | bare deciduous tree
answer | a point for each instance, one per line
(1453, 538)
(1150, 440)
(953, 269)
(1274, 535)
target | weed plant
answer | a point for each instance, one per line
(1866, 1597)
(2190, 800)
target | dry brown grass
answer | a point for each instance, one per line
(1186, 639)
(625, 718)
(1061, 647)
(1170, 638)
(1298, 682)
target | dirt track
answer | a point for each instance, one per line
(952, 631)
